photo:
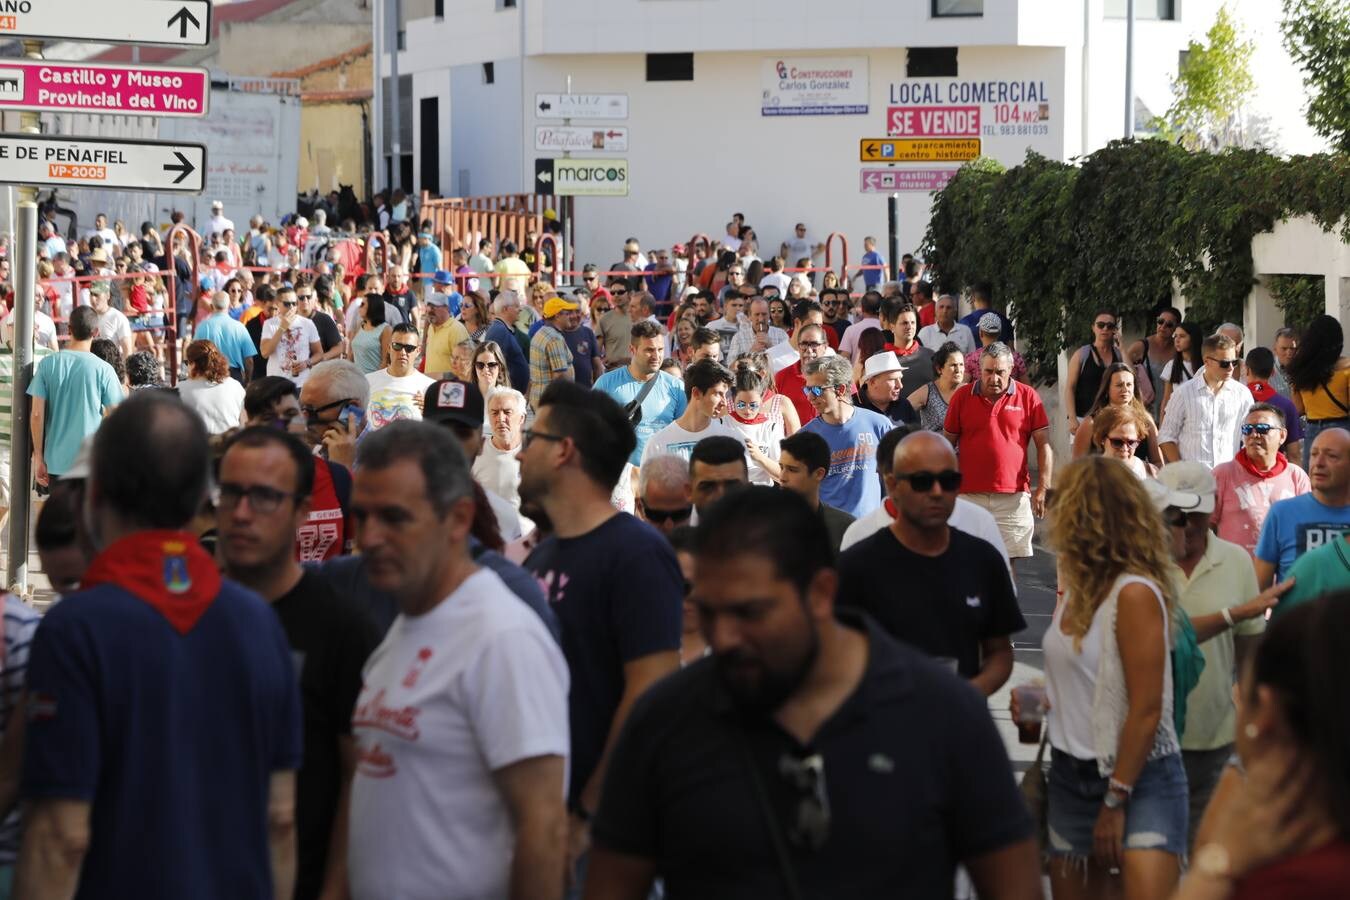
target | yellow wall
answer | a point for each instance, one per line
(332, 146)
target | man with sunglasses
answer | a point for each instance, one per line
(1216, 588)
(852, 433)
(1259, 476)
(290, 342)
(956, 600)
(834, 303)
(1205, 414)
(616, 327)
(663, 496)
(264, 493)
(797, 771)
(396, 391)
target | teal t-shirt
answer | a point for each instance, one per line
(1317, 572)
(77, 386)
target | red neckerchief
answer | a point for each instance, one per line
(1261, 390)
(755, 421)
(1281, 463)
(913, 348)
(167, 569)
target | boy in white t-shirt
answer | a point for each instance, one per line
(706, 384)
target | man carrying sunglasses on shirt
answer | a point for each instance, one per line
(797, 771)
(1204, 417)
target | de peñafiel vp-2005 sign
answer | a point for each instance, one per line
(814, 86)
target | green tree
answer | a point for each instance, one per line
(1210, 93)
(1317, 36)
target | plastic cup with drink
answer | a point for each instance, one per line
(1030, 704)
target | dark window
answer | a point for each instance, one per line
(670, 67)
(489, 73)
(431, 144)
(931, 62)
(506, 4)
(439, 9)
(1143, 9)
(403, 40)
(943, 9)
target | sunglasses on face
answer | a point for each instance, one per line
(1123, 443)
(618, 292)
(949, 480)
(751, 406)
(486, 366)
(406, 348)
(312, 412)
(289, 304)
(1222, 363)
(1175, 517)
(1105, 326)
(1258, 428)
(1166, 322)
(814, 390)
(658, 516)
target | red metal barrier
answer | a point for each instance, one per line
(829, 249)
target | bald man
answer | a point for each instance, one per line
(1308, 521)
(928, 584)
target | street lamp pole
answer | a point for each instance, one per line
(1129, 69)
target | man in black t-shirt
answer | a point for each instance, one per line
(266, 477)
(807, 742)
(939, 589)
(613, 581)
(307, 304)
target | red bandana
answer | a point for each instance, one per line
(913, 348)
(167, 569)
(1281, 463)
(755, 421)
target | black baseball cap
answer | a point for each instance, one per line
(452, 400)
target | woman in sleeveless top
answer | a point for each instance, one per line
(1319, 378)
(930, 401)
(1117, 788)
(773, 404)
(1189, 359)
(1087, 366)
(369, 347)
(1119, 389)
(1156, 351)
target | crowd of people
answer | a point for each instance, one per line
(685, 582)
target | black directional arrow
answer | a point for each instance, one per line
(545, 106)
(184, 166)
(871, 149)
(182, 17)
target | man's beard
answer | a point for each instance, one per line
(759, 688)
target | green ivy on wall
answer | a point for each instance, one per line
(1301, 298)
(1057, 240)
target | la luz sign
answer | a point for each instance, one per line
(102, 163)
(184, 23)
(28, 84)
(581, 106)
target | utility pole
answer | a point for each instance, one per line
(1129, 69)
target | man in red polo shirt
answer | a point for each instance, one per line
(811, 344)
(994, 419)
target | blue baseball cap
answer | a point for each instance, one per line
(442, 277)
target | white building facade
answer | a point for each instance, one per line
(764, 107)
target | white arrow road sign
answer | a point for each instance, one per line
(102, 163)
(581, 106)
(175, 22)
(609, 138)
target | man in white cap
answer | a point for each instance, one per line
(883, 377)
(1213, 577)
(217, 224)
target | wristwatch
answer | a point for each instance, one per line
(1213, 861)
(1115, 799)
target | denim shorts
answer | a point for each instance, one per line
(1155, 817)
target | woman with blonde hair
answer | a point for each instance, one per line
(1117, 790)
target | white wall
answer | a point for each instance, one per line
(486, 135)
(700, 150)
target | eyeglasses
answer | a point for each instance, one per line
(529, 435)
(814, 390)
(748, 405)
(949, 480)
(261, 499)
(658, 516)
(1123, 443)
(406, 348)
(811, 345)
(1222, 363)
(1258, 428)
(812, 827)
(829, 303)
(486, 366)
(1166, 322)
(312, 412)
(1105, 326)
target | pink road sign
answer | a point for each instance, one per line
(42, 85)
(886, 181)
